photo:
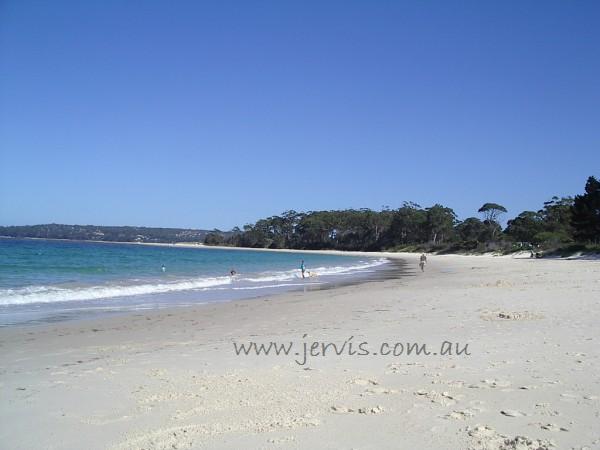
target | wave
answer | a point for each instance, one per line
(51, 294)
(319, 271)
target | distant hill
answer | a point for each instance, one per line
(104, 233)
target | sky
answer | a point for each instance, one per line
(212, 114)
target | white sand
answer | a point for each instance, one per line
(170, 379)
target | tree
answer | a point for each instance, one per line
(557, 214)
(525, 227)
(408, 225)
(556, 217)
(214, 237)
(472, 230)
(586, 213)
(491, 213)
(440, 223)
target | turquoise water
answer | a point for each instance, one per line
(50, 280)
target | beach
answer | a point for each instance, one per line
(513, 363)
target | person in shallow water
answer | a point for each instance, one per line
(303, 269)
(163, 268)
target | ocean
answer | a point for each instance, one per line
(45, 281)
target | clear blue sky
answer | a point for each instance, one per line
(214, 114)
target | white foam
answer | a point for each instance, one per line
(51, 294)
(320, 271)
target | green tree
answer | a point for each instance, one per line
(214, 237)
(556, 216)
(408, 225)
(525, 227)
(586, 213)
(471, 230)
(491, 213)
(440, 223)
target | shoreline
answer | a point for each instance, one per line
(383, 254)
(182, 310)
(199, 245)
(393, 269)
(183, 294)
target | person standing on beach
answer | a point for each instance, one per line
(422, 262)
(302, 268)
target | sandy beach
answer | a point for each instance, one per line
(527, 377)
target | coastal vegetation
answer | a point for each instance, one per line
(104, 233)
(563, 224)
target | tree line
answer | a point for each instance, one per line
(104, 233)
(561, 221)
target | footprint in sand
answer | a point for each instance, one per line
(490, 384)
(363, 410)
(510, 315)
(341, 409)
(460, 415)
(442, 398)
(553, 427)
(545, 410)
(282, 440)
(374, 410)
(380, 390)
(362, 382)
(568, 397)
(485, 437)
(496, 383)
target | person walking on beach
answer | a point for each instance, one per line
(302, 269)
(422, 262)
